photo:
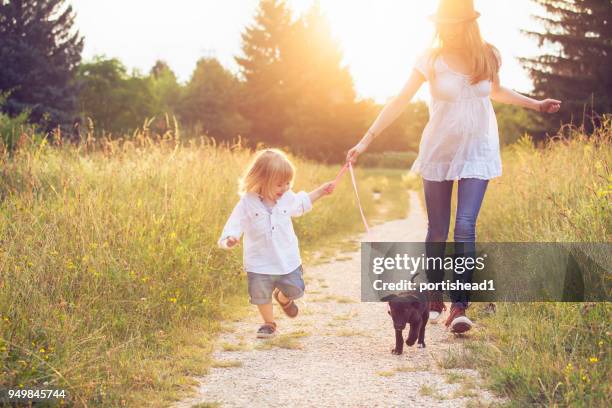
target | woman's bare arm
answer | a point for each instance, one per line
(389, 114)
(508, 96)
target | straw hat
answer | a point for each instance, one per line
(455, 11)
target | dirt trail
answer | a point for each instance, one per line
(337, 352)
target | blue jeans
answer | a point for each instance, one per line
(438, 201)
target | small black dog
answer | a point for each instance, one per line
(412, 309)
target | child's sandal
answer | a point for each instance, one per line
(267, 330)
(290, 308)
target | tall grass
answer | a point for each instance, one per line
(108, 260)
(550, 354)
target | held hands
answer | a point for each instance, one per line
(549, 105)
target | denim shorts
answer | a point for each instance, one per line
(261, 286)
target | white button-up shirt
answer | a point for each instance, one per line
(270, 244)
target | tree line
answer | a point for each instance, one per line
(292, 89)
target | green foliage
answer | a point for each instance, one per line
(264, 47)
(514, 121)
(109, 257)
(297, 93)
(116, 102)
(405, 133)
(561, 191)
(324, 118)
(578, 70)
(210, 101)
(546, 354)
(11, 128)
(165, 88)
(550, 354)
(39, 51)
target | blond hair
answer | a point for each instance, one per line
(269, 167)
(484, 58)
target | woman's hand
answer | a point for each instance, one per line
(352, 154)
(549, 105)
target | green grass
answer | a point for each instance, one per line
(234, 347)
(111, 283)
(548, 354)
(285, 341)
(428, 391)
(226, 364)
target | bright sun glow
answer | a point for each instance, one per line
(380, 39)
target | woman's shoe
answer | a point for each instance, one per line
(267, 330)
(436, 306)
(435, 311)
(457, 321)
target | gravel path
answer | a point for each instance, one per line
(336, 353)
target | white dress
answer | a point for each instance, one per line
(461, 139)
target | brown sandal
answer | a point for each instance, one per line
(267, 330)
(290, 308)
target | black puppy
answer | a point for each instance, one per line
(412, 309)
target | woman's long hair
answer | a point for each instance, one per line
(484, 58)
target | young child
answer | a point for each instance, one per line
(271, 254)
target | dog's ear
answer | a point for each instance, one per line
(388, 298)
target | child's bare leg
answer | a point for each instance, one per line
(266, 312)
(283, 299)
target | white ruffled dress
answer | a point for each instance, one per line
(461, 139)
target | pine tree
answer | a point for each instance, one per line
(264, 102)
(39, 52)
(579, 72)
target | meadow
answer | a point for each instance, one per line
(111, 283)
(112, 286)
(547, 354)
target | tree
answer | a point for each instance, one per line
(211, 101)
(324, 116)
(263, 102)
(117, 102)
(39, 53)
(165, 87)
(579, 72)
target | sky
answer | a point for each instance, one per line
(380, 39)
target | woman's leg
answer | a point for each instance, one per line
(471, 193)
(438, 201)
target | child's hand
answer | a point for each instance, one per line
(328, 188)
(321, 191)
(231, 241)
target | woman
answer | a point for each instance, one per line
(460, 141)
